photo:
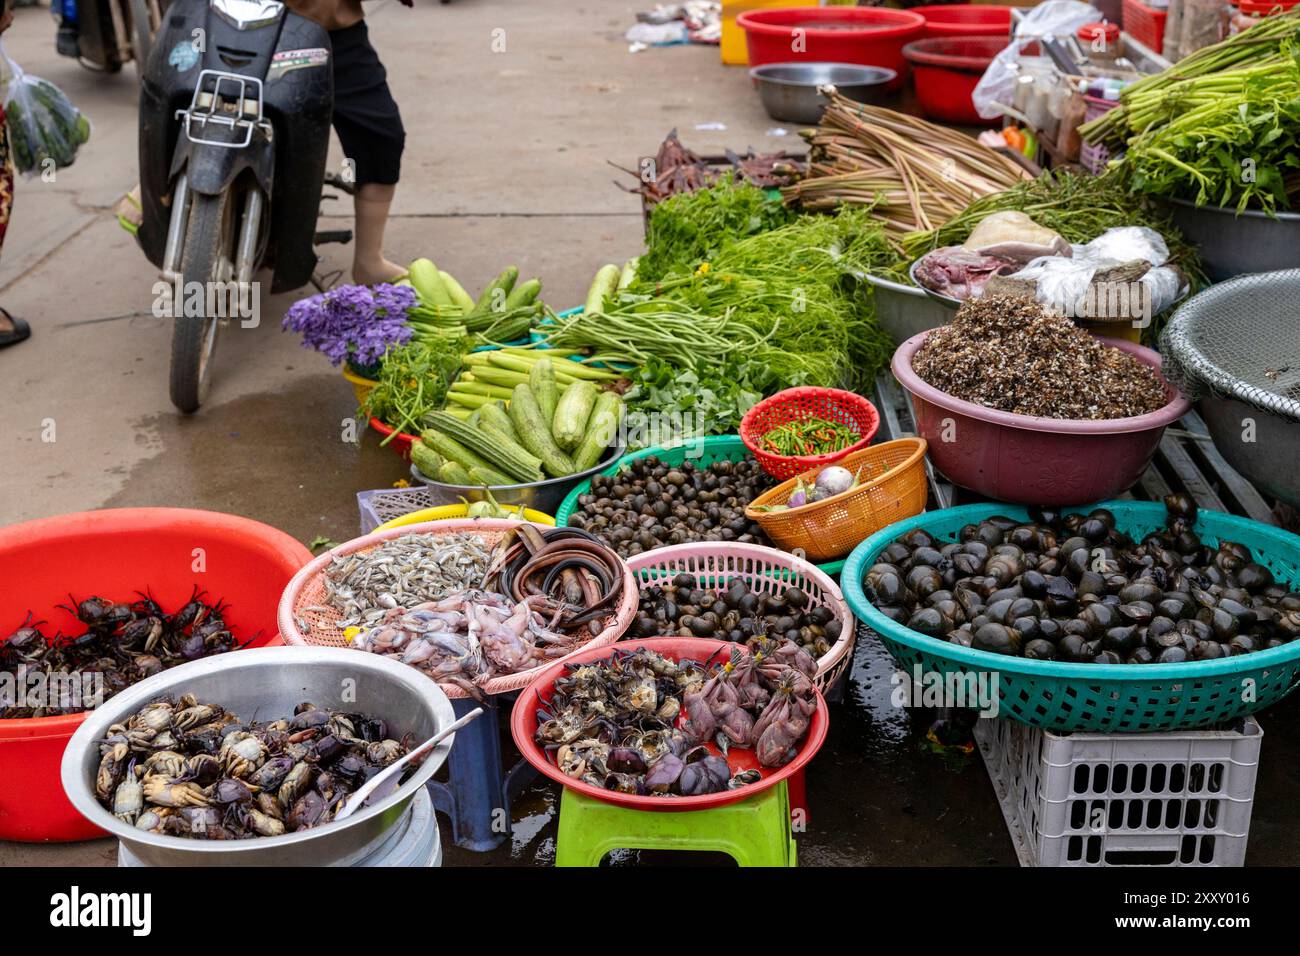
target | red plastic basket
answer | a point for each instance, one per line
(794, 404)
(1145, 24)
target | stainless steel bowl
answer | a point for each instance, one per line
(263, 684)
(904, 310)
(544, 496)
(789, 90)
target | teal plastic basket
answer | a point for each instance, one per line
(1107, 698)
(701, 452)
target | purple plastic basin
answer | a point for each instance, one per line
(1029, 460)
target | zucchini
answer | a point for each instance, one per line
(563, 366)
(535, 434)
(602, 428)
(572, 413)
(524, 294)
(456, 291)
(541, 379)
(494, 294)
(502, 456)
(425, 459)
(428, 283)
(603, 286)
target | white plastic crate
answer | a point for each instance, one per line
(1161, 799)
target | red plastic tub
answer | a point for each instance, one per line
(946, 70)
(871, 36)
(523, 724)
(112, 553)
(1035, 461)
(401, 444)
(966, 20)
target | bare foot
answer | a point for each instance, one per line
(372, 273)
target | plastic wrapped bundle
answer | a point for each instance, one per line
(45, 129)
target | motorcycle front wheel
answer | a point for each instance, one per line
(208, 258)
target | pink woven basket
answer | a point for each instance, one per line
(765, 570)
(307, 590)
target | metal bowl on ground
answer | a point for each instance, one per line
(1236, 348)
(789, 90)
(544, 496)
(264, 684)
(1232, 243)
(905, 310)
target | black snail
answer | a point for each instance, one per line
(1075, 588)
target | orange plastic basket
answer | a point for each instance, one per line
(829, 529)
(304, 618)
(794, 404)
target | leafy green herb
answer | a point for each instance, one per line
(413, 380)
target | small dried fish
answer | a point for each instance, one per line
(403, 573)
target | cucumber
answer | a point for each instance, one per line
(494, 294)
(425, 459)
(452, 473)
(628, 275)
(535, 435)
(604, 285)
(602, 428)
(495, 415)
(525, 293)
(572, 413)
(541, 379)
(456, 291)
(428, 283)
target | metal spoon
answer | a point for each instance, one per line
(358, 799)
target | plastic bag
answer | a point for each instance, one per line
(1059, 18)
(45, 129)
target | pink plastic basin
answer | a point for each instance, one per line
(111, 553)
(871, 36)
(965, 20)
(1035, 461)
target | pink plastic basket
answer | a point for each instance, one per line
(307, 590)
(762, 569)
(1094, 157)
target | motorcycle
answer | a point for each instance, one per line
(106, 34)
(235, 107)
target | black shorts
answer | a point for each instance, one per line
(365, 113)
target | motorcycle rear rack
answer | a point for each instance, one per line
(242, 109)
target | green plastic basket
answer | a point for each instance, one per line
(705, 452)
(1107, 698)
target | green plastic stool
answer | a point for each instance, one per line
(754, 832)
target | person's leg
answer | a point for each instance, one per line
(369, 127)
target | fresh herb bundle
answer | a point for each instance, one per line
(691, 228)
(413, 380)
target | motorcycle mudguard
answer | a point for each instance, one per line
(292, 57)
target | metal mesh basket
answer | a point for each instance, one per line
(1240, 340)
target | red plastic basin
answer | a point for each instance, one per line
(523, 724)
(401, 443)
(1035, 461)
(946, 71)
(871, 36)
(112, 553)
(965, 20)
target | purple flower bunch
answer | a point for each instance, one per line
(356, 323)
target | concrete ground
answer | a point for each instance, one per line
(506, 163)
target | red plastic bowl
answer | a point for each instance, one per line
(966, 20)
(947, 70)
(871, 36)
(794, 404)
(112, 553)
(401, 444)
(523, 724)
(1035, 461)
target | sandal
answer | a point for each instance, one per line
(19, 332)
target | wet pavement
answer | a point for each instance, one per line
(507, 162)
